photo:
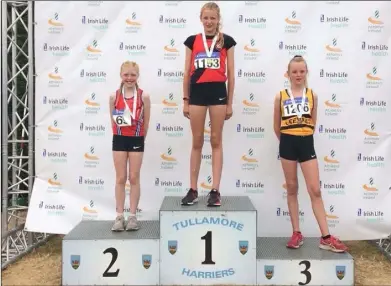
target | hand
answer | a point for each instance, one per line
(229, 112)
(186, 110)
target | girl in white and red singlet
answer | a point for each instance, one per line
(130, 113)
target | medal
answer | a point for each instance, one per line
(209, 51)
(290, 93)
(128, 114)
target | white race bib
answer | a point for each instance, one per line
(120, 119)
(209, 59)
(201, 61)
(124, 117)
(296, 109)
(293, 106)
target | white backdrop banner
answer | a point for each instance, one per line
(79, 47)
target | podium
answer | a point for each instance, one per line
(197, 245)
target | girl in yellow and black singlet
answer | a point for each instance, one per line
(295, 115)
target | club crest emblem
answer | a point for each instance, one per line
(243, 246)
(340, 272)
(75, 261)
(269, 271)
(172, 246)
(146, 260)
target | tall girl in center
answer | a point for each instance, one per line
(209, 64)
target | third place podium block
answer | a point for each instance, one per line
(201, 245)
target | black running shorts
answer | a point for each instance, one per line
(297, 148)
(128, 143)
(208, 93)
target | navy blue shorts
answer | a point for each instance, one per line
(208, 93)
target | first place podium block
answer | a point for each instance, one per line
(201, 245)
(94, 255)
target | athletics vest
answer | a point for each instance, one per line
(137, 127)
(204, 69)
(291, 123)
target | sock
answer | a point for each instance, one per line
(132, 215)
(326, 236)
(299, 232)
(120, 214)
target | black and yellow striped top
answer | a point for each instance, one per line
(291, 123)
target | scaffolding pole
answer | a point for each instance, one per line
(17, 123)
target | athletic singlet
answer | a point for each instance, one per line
(137, 127)
(291, 122)
(208, 69)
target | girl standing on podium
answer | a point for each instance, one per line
(295, 115)
(130, 113)
(209, 63)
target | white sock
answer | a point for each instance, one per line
(132, 215)
(120, 214)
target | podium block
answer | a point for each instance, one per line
(201, 245)
(308, 265)
(94, 255)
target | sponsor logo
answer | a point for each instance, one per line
(98, 23)
(333, 133)
(333, 51)
(374, 105)
(371, 136)
(372, 216)
(56, 103)
(293, 50)
(133, 25)
(57, 50)
(332, 218)
(94, 76)
(373, 80)
(55, 78)
(252, 187)
(335, 22)
(292, 24)
(375, 23)
(54, 133)
(253, 77)
(250, 163)
(52, 209)
(173, 22)
(97, 130)
(55, 26)
(253, 22)
(334, 77)
(171, 76)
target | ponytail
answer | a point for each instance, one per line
(220, 40)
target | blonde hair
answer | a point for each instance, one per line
(128, 64)
(214, 6)
(299, 59)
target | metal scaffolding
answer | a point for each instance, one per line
(17, 126)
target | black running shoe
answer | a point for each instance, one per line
(214, 198)
(190, 198)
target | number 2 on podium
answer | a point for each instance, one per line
(208, 248)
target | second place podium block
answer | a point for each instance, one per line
(201, 245)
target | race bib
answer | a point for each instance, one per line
(295, 108)
(121, 118)
(202, 61)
